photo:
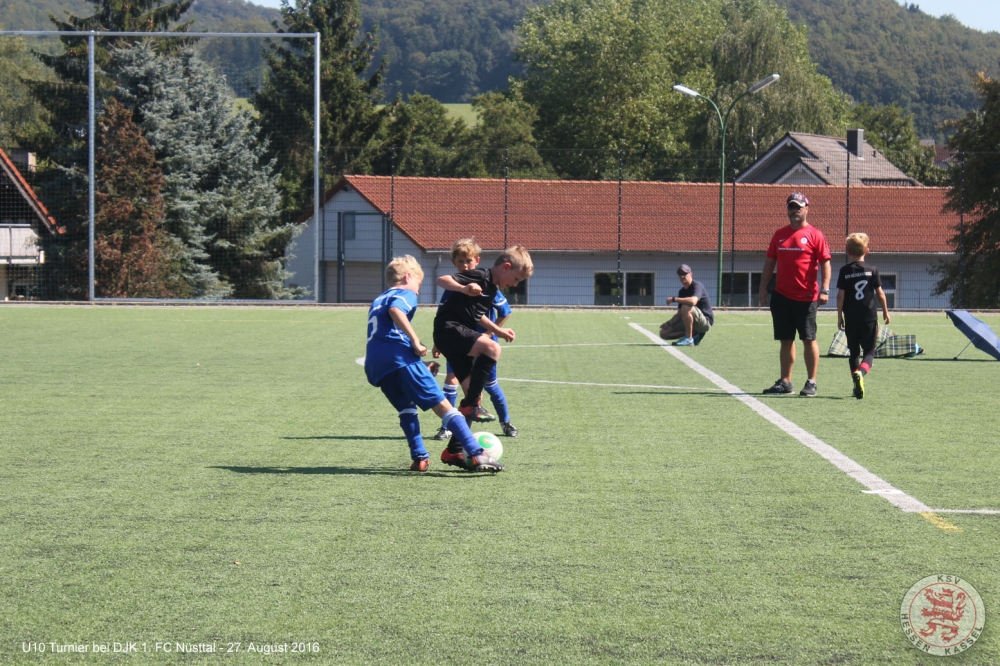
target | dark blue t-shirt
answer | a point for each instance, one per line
(698, 290)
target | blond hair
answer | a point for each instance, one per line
(519, 260)
(396, 271)
(857, 244)
(465, 248)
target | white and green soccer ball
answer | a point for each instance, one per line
(492, 446)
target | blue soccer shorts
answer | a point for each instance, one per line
(411, 385)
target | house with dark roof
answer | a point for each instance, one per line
(812, 159)
(23, 217)
(605, 242)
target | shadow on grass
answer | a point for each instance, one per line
(923, 359)
(723, 394)
(356, 438)
(359, 471)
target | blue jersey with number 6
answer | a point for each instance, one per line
(389, 348)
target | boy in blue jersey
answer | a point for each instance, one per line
(473, 354)
(859, 284)
(393, 362)
(465, 255)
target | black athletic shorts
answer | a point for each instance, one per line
(861, 335)
(455, 341)
(789, 317)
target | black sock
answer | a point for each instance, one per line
(481, 369)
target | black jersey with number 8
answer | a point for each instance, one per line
(859, 281)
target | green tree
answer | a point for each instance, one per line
(600, 74)
(892, 130)
(349, 117)
(418, 139)
(973, 276)
(21, 115)
(758, 40)
(503, 142)
(221, 191)
(133, 254)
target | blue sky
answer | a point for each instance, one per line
(979, 14)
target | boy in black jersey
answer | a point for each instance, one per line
(472, 353)
(859, 284)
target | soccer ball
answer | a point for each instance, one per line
(491, 444)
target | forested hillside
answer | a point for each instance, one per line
(877, 51)
(239, 60)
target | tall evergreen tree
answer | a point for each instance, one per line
(349, 118)
(221, 191)
(21, 115)
(62, 148)
(133, 255)
(973, 277)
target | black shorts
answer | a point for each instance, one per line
(789, 317)
(455, 341)
(861, 335)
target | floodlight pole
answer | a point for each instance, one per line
(723, 121)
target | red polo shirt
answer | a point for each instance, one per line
(798, 254)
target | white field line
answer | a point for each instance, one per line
(649, 386)
(872, 482)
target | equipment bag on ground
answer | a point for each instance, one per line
(889, 345)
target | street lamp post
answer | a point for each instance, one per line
(755, 88)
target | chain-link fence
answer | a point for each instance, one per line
(161, 174)
(615, 240)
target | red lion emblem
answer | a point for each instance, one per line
(945, 612)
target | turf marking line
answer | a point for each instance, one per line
(872, 482)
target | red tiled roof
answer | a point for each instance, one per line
(41, 212)
(583, 216)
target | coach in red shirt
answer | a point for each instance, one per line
(798, 251)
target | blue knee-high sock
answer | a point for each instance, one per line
(498, 399)
(451, 394)
(455, 422)
(410, 423)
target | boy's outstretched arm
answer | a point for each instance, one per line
(491, 328)
(451, 284)
(403, 324)
(885, 305)
(840, 309)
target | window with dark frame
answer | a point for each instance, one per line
(637, 289)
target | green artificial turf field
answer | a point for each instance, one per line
(185, 478)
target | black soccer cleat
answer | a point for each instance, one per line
(781, 387)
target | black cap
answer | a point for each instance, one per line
(683, 269)
(797, 199)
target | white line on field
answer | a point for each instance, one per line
(650, 386)
(872, 482)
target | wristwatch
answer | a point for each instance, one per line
(825, 291)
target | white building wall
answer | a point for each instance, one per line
(566, 278)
